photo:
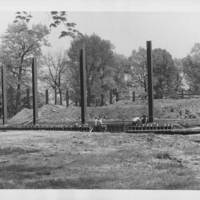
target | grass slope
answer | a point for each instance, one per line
(186, 111)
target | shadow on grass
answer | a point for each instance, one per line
(79, 183)
(19, 173)
(18, 150)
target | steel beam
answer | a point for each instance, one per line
(111, 96)
(34, 90)
(150, 85)
(83, 85)
(46, 96)
(67, 98)
(133, 96)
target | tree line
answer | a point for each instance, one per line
(109, 75)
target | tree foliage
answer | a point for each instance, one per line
(101, 71)
(19, 44)
(191, 68)
(166, 76)
(120, 70)
(138, 69)
(60, 18)
(164, 73)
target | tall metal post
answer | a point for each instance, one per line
(4, 94)
(67, 98)
(150, 85)
(111, 96)
(28, 98)
(46, 96)
(34, 90)
(133, 96)
(83, 85)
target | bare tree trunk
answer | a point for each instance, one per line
(117, 96)
(55, 92)
(67, 98)
(18, 94)
(96, 102)
(60, 93)
(102, 100)
(88, 96)
(28, 104)
(182, 94)
(111, 96)
(145, 83)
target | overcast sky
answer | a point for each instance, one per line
(175, 31)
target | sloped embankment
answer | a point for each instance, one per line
(182, 110)
(50, 114)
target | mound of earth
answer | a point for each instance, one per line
(166, 109)
(24, 117)
(50, 114)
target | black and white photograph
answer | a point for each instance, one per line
(100, 99)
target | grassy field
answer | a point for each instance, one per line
(99, 160)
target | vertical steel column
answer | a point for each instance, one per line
(34, 90)
(150, 85)
(46, 96)
(67, 98)
(133, 96)
(83, 85)
(111, 96)
(4, 94)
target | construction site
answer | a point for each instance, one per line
(80, 123)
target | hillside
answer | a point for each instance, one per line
(183, 110)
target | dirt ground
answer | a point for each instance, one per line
(82, 160)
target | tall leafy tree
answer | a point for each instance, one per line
(138, 69)
(119, 71)
(166, 76)
(99, 58)
(164, 73)
(20, 43)
(191, 68)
